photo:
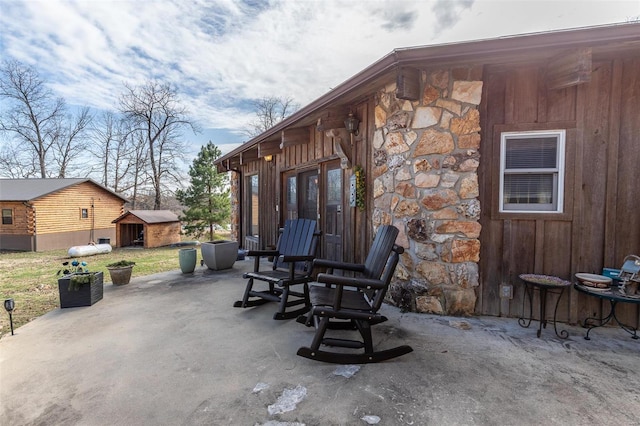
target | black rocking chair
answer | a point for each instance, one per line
(291, 266)
(335, 307)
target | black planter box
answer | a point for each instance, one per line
(87, 295)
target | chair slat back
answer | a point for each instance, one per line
(381, 247)
(298, 237)
(376, 298)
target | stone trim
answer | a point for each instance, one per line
(425, 161)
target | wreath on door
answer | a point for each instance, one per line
(360, 187)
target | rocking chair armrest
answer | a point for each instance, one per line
(339, 280)
(257, 254)
(263, 253)
(333, 264)
(295, 258)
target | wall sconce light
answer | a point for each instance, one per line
(10, 305)
(268, 158)
(351, 123)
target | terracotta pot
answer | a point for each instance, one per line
(120, 275)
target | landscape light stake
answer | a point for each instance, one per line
(10, 305)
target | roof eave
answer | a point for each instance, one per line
(461, 51)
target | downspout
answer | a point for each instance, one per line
(240, 207)
(93, 223)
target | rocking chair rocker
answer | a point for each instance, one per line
(355, 309)
(291, 266)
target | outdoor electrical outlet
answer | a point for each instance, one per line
(506, 291)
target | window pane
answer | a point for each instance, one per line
(7, 217)
(528, 188)
(334, 185)
(292, 191)
(531, 153)
(254, 207)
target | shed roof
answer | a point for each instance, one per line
(151, 216)
(32, 189)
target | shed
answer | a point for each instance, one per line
(48, 214)
(147, 228)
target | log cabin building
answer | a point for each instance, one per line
(493, 158)
(48, 214)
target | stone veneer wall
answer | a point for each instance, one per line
(426, 156)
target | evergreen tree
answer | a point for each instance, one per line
(207, 198)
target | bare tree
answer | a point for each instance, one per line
(105, 133)
(37, 122)
(117, 151)
(17, 163)
(70, 142)
(153, 110)
(270, 111)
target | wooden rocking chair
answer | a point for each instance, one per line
(291, 266)
(353, 308)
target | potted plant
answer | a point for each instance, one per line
(78, 286)
(120, 272)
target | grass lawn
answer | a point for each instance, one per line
(30, 278)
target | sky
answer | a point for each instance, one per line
(222, 55)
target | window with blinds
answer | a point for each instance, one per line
(532, 171)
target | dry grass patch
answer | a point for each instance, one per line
(30, 278)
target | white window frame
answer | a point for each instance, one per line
(557, 172)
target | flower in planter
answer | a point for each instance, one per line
(79, 272)
(76, 266)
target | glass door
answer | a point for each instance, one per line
(333, 218)
(301, 189)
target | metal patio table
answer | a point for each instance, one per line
(614, 296)
(544, 284)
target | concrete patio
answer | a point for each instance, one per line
(170, 349)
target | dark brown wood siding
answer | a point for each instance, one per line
(310, 155)
(600, 224)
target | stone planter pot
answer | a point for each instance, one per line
(120, 275)
(187, 258)
(86, 295)
(219, 254)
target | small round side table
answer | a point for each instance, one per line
(544, 284)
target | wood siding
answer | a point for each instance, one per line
(601, 221)
(22, 215)
(155, 234)
(55, 220)
(312, 155)
(61, 211)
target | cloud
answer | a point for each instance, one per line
(447, 12)
(222, 54)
